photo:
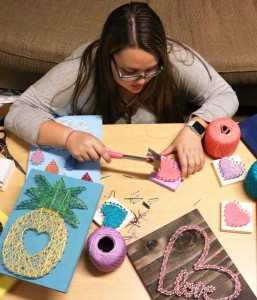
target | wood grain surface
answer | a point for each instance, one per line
(146, 254)
(201, 191)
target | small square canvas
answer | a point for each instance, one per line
(168, 175)
(170, 185)
(113, 214)
(7, 168)
(236, 216)
(229, 169)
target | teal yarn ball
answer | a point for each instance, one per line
(250, 182)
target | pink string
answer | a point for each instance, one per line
(184, 288)
(169, 170)
(67, 137)
(222, 137)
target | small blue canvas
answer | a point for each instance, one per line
(59, 277)
(66, 164)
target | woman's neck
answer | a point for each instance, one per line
(127, 95)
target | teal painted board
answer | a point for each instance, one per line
(66, 164)
(76, 207)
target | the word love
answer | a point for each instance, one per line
(184, 288)
(181, 285)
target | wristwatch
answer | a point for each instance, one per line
(196, 127)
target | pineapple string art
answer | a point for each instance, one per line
(51, 207)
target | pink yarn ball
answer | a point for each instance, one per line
(106, 248)
(222, 137)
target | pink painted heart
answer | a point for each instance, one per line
(182, 287)
(169, 170)
(230, 169)
(235, 216)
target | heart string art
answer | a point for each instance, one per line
(51, 207)
(235, 216)
(114, 214)
(230, 169)
(181, 286)
(169, 170)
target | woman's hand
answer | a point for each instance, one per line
(188, 147)
(84, 146)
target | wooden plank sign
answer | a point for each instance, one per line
(220, 279)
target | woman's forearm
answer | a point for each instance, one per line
(52, 133)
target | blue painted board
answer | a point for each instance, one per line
(60, 276)
(88, 123)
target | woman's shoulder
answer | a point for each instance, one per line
(78, 52)
(186, 60)
(180, 53)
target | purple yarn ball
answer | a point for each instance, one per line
(106, 248)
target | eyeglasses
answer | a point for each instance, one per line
(136, 77)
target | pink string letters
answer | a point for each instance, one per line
(184, 288)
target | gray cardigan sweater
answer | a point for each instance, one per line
(51, 95)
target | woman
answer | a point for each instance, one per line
(132, 74)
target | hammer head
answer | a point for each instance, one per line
(155, 159)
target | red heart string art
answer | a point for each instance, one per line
(181, 286)
(235, 216)
(169, 170)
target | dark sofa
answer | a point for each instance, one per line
(36, 35)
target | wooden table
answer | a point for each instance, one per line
(201, 191)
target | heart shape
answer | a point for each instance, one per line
(230, 169)
(114, 214)
(169, 170)
(184, 288)
(35, 241)
(235, 216)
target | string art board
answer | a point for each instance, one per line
(177, 250)
(45, 233)
(5, 282)
(169, 175)
(236, 216)
(113, 214)
(59, 161)
(229, 169)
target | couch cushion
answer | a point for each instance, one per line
(35, 35)
(222, 31)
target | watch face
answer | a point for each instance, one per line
(199, 127)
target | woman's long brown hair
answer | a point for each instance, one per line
(131, 25)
